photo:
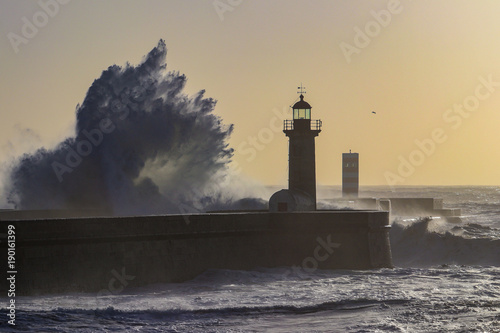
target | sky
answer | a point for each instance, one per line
(430, 70)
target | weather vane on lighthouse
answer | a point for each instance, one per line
(302, 89)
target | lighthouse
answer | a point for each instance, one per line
(301, 132)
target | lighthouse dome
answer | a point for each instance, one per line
(301, 104)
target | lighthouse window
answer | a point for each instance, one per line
(301, 113)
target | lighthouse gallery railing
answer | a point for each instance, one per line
(315, 125)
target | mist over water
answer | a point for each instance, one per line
(142, 146)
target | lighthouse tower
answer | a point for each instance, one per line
(301, 131)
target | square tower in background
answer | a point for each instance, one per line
(350, 174)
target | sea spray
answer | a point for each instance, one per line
(142, 146)
(421, 243)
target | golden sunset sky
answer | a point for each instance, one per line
(429, 69)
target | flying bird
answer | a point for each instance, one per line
(374, 112)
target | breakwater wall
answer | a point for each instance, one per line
(108, 254)
(415, 207)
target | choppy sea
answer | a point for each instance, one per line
(446, 279)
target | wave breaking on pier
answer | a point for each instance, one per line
(142, 146)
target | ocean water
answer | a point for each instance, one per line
(446, 279)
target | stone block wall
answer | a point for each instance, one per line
(105, 255)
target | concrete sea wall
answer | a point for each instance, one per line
(415, 207)
(106, 255)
